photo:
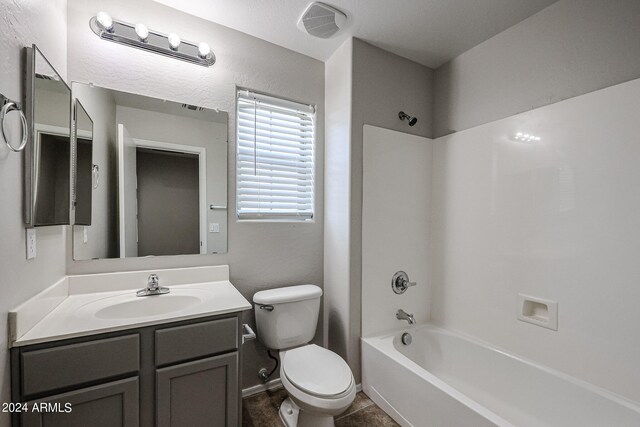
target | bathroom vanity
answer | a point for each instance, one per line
(110, 358)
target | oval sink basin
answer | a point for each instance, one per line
(147, 306)
(127, 306)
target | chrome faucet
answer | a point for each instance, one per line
(153, 287)
(403, 315)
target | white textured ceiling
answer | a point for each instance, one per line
(430, 32)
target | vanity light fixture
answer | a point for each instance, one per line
(141, 37)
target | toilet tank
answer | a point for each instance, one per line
(287, 317)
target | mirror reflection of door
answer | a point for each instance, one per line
(127, 209)
(84, 179)
(161, 191)
(168, 202)
(52, 161)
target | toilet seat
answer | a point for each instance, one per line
(317, 371)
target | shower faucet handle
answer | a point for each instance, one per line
(400, 282)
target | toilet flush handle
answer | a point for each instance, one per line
(266, 307)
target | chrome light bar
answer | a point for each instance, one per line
(139, 36)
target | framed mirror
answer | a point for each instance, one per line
(48, 153)
(158, 179)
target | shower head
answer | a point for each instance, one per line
(412, 120)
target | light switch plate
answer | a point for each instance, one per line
(31, 243)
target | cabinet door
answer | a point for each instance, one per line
(113, 404)
(201, 393)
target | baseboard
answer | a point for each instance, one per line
(271, 385)
(358, 387)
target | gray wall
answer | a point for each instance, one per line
(568, 49)
(338, 315)
(261, 255)
(23, 23)
(382, 85)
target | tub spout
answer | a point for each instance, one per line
(403, 315)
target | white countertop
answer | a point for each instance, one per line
(68, 309)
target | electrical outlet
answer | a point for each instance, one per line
(214, 227)
(31, 243)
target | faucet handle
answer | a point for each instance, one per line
(400, 282)
(153, 287)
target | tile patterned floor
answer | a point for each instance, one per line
(261, 410)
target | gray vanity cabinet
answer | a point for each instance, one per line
(176, 374)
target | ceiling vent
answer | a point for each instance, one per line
(321, 20)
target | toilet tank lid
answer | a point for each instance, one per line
(287, 294)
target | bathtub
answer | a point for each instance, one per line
(445, 379)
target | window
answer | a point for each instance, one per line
(274, 158)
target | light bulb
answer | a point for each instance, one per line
(203, 50)
(174, 41)
(142, 31)
(104, 21)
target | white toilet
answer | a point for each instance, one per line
(319, 383)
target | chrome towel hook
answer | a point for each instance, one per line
(7, 107)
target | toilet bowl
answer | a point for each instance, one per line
(319, 383)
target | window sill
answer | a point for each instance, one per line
(277, 221)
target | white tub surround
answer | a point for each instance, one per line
(551, 218)
(97, 303)
(443, 378)
(396, 206)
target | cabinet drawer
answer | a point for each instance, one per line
(194, 341)
(77, 364)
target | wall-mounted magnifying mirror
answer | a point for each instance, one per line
(158, 168)
(48, 154)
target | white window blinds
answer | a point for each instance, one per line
(274, 158)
